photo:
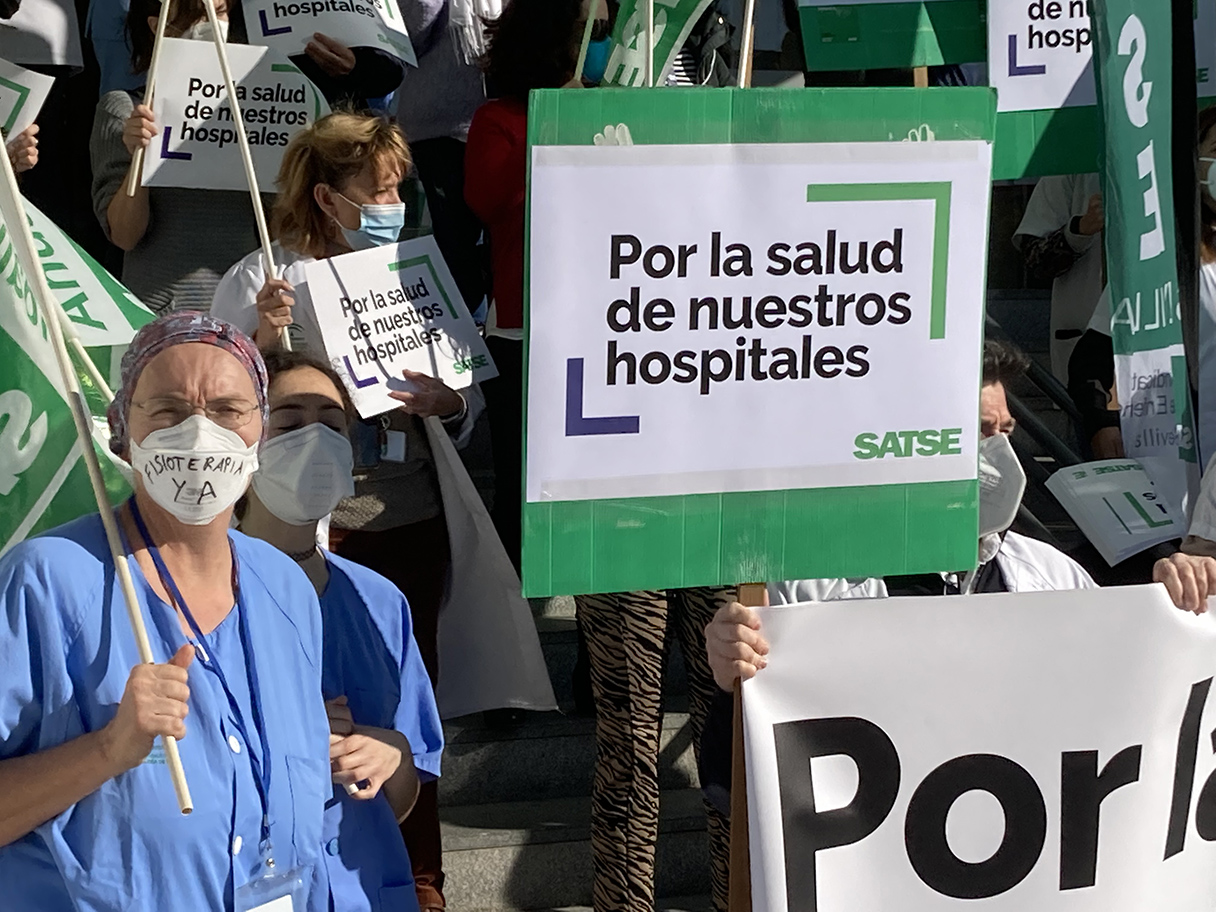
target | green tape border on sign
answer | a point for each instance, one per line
(577, 547)
(882, 35)
(425, 260)
(728, 538)
(23, 95)
(936, 191)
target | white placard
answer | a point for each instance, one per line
(288, 25)
(395, 308)
(1040, 53)
(198, 145)
(1114, 503)
(42, 33)
(22, 93)
(936, 754)
(828, 296)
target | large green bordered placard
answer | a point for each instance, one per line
(709, 539)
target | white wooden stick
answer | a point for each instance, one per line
(582, 51)
(747, 44)
(649, 7)
(135, 174)
(259, 214)
(13, 211)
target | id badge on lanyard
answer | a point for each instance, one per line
(274, 891)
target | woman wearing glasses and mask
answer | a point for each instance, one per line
(89, 818)
(338, 193)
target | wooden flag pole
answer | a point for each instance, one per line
(747, 47)
(649, 8)
(13, 210)
(259, 214)
(582, 50)
(135, 173)
(751, 595)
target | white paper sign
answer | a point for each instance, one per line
(1114, 503)
(198, 145)
(42, 33)
(998, 753)
(395, 308)
(1040, 53)
(22, 93)
(288, 25)
(827, 295)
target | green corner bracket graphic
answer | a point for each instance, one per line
(936, 191)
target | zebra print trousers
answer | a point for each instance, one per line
(625, 635)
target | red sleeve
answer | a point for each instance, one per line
(495, 167)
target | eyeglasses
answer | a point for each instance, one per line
(170, 411)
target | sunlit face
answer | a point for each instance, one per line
(995, 417)
(305, 396)
(375, 184)
(194, 379)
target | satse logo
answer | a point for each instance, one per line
(808, 831)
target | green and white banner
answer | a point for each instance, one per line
(761, 359)
(1133, 76)
(42, 480)
(1040, 61)
(673, 21)
(874, 34)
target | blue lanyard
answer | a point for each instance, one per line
(261, 768)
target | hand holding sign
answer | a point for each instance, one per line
(430, 397)
(1094, 218)
(334, 57)
(23, 149)
(139, 129)
(1189, 579)
(274, 303)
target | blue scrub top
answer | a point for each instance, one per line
(106, 26)
(370, 656)
(66, 651)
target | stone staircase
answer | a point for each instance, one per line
(515, 805)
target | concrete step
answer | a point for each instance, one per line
(550, 755)
(537, 854)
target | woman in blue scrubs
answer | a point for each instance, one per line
(386, 735)
(89, 820)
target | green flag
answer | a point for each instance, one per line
(869, 34)
(43, 481)
(673, 20)
(1133, 73)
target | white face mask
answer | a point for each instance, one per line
(202, 31)
(1210, 184)
(305, 473)
(1002, 484)
(195, 470)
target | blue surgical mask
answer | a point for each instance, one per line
(597, 60)
(379, 224)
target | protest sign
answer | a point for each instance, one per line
(1133, 76)
(1043, 751)
(1114, 503)
(198, 145)
(768, 261)
(42, 480)
(870, 34)
(288, 25)
(42, 33)
(22, 93)
(1040, 56)
(395, 308)
(673, 21)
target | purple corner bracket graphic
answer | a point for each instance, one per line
(267, 31)
(164, 148)
(576, 424)
(359, 382)
(1037, 69)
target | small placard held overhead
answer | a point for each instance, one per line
(395, 308)
(289, 25)
(22, 93)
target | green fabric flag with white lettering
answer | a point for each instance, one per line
(673, 20)
(43, 481)
(1133, 71)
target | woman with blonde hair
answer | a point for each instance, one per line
(337, 193)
